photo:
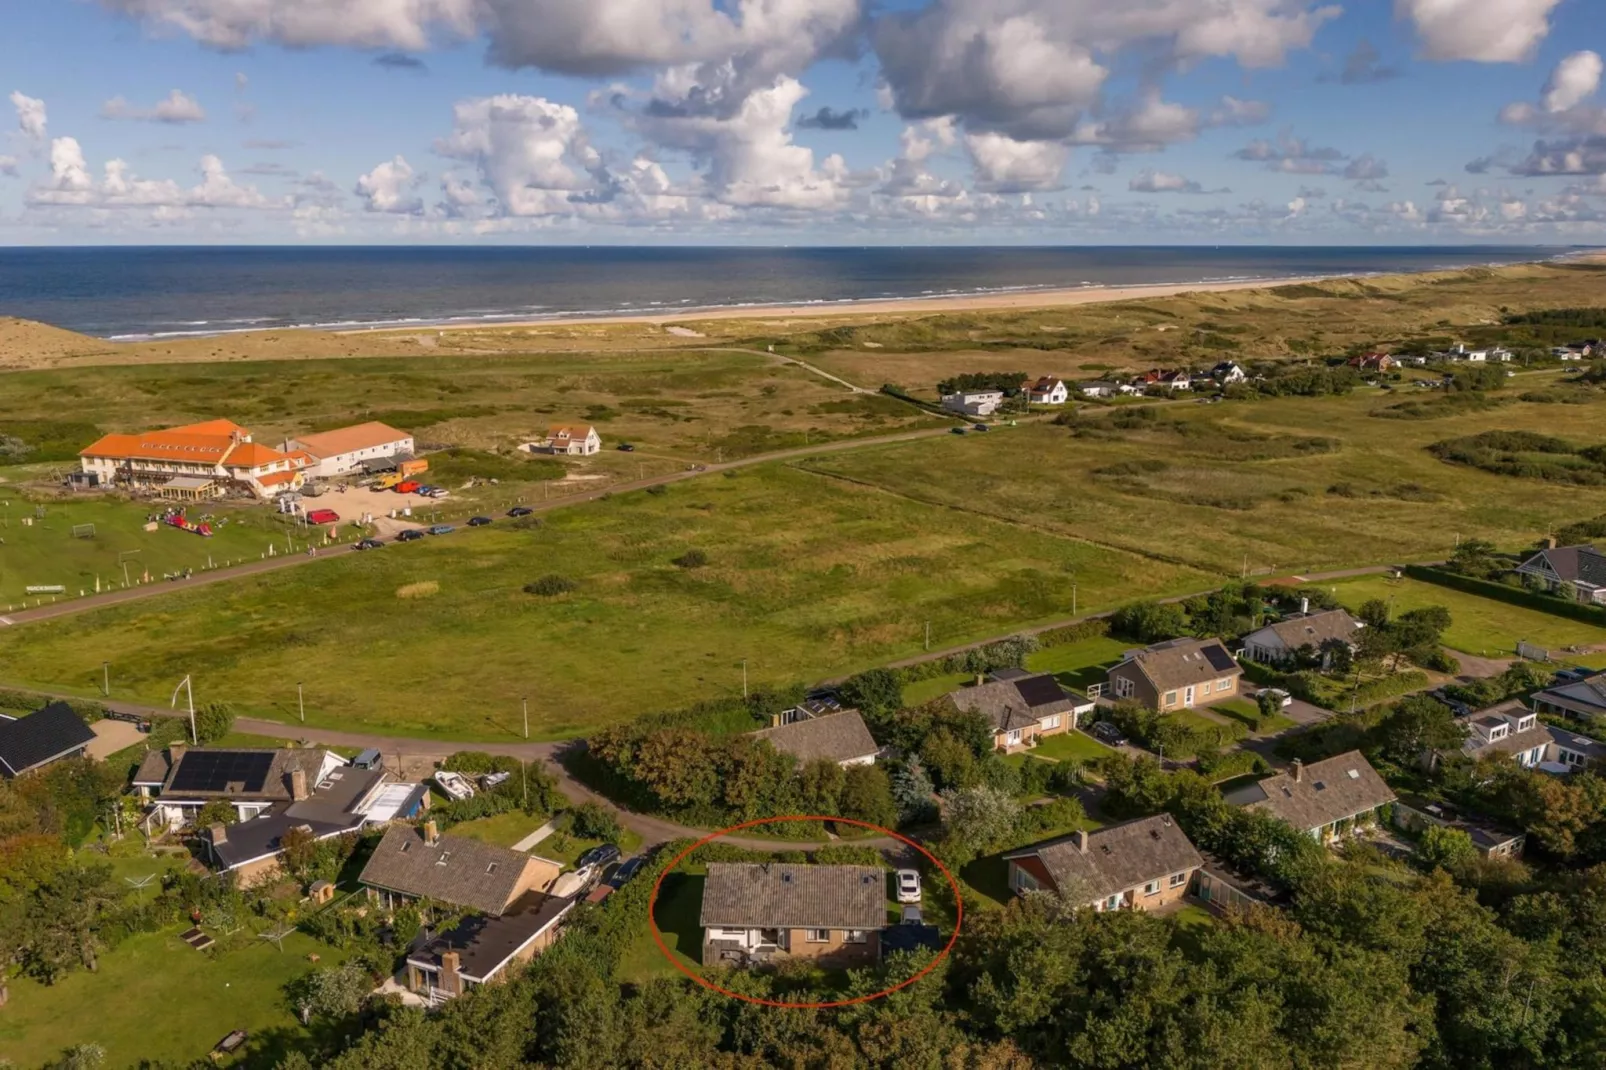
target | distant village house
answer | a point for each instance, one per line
(1176, 674)
(757, 913)
(1047, 391)
(569, 440)
(974, 402)
(1136, 865)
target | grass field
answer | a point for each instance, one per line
(503, 830)
(808, 578)
(45, 552)
(1289, 485)
(1248, 714)
(1081, 664)
(1071, 746)
(1479, 626)
(156, 998)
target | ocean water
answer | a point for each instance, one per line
(128, 293)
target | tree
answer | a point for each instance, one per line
(57, 921)
(867, 796)
(213, 721)
(952, 763)
(300, 849)
(1338, 656)
(1374, 613)
(332, 992)
(1415, 726)
(593, 821)
(1445, 848)
(1270, 705)
(1149, 622)
(979, 817)
(878, 694)
(912, 791)
(820, 787)
(675, 765)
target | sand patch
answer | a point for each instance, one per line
(685, 332)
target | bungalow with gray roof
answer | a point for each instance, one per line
(1576, 572)
(36, 740)
(1284, 641)
(1136, 865)
(1323, 799)
(838, 737)
(1176, 674)
(1581, 699)
(757, 912)
(1021, 707)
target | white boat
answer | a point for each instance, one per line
(455, 785)
(491, 780)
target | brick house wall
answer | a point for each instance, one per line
(835, 951)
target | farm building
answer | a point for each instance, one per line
(349, 449)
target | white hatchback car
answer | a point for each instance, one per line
(908, 886)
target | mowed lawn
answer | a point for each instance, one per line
(1282, 486)
(1478, 625)
(807, 578)
(154, 997)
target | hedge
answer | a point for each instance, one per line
(1517, 596)
(28, 702)
(1097, 628)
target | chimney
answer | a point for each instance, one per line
(432, 832)
(451, 963)
(1550, 542)
(218, 834)
(981, 678)
(175, 751)
(1299, 771)
(1081, 840)
(298, 784)
(1304, 606)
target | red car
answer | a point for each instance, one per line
(323, 516)
(408, 486)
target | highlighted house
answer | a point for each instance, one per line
(196, 461)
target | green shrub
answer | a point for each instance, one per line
(550, 586)
(690, 559)
(593, 821)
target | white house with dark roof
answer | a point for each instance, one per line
(1136, 865)
(1047, 390)
(1323, 799)
(1512, 729)
(1577, 572)
(1282, 641)
(1021, 706)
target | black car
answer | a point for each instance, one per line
(597, 857)
(1105, 732)
(629, 869)
(979, 427)
(410, 535)
(625, 447)
(520, 510)
(956, 430)
(367, 544)
(478, 521)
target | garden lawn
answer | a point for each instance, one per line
(676, 912)
(1480, 626)
(155, 998)
(923, 691)
(1192, 719)
(808, 578)
(504, 830)
(1081, 664)
(1071, 746)
(1248, 714)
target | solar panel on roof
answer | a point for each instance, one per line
(1218, 657)
(1039, 690)
(216, 770)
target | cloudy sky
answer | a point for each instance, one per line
(804, 121)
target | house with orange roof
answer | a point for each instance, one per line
(204, 460)
(573, 440)
(349, 449)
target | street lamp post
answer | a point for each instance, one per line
(526, 703)
(189, 692)
(301, 704)
(106, 678)
(744, 679)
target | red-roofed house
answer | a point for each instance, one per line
(572, 440)
(1373, 362)
(195, 461)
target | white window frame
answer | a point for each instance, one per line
(1113, 902)
(1012, 738)
(1050, 722)
(1178, 879)
(817, 936)
(1168, 699)
(1152, 888)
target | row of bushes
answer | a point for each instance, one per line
(1517, 596)
(1319, 690)
(28, 702)
(1158, 731)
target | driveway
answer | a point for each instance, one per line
(111, 737)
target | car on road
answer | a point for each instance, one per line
(956, 430)
(1105, 732)
(426, 490)
(410, 535)
(980, 427)
(367, 544)
(520, 510)
(441, 529)
(625, 447)
(908, 885)
(628, 869)
(323, 516)
(1284, 699)
(1457, 707)
(478, 521)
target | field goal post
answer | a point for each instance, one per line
(83, 531)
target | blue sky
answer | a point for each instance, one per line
(804, 121)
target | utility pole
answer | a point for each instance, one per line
(526, 718)
(1073, 598)
(189, 691)
(301, 704)
(106, 678)
(744, 678)
(928, 635)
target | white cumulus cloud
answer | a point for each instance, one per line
(1575, 80)
(391, 187)
(1004, 165)
(30, 115)
(175, 109)
(1485, 31)
(73, 185)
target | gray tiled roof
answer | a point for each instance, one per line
(1015, 703)
(1118, 857)
(484, 944)
(1178, 663)
(153, 768)
(1573, 563)
(41, 737)
(1325, 792)
(454, 869)
(777, 895)
(1314, 629)
(837, 737)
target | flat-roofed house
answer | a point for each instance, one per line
(752, 913)
(1283, 641)
(1176, 674)
(1136, 865)
(974, 402)
(1323, 799)
(195, 461)
(514, 918)
(349, 449)
(838, 737)
(37, 739)
(1022, 706)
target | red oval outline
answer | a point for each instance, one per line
(658, 938)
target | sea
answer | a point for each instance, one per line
(129, 293)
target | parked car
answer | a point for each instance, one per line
(323, 516)
(520, 510)
(628, 869)
(1105, 732)
(979, 427)
(367, 544)
(478, 521)
(956, 430)
(410, 535)
(441, 529)
(625, 447)
(911, 915)
(589, 866)
(425, 490)
(1284, 699)
(435, 492)
(908, 885)
(407, 486)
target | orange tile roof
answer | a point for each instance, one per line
(213, 427)
(350, 439)
(161, 446)
(253, 455)
(275, 478)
